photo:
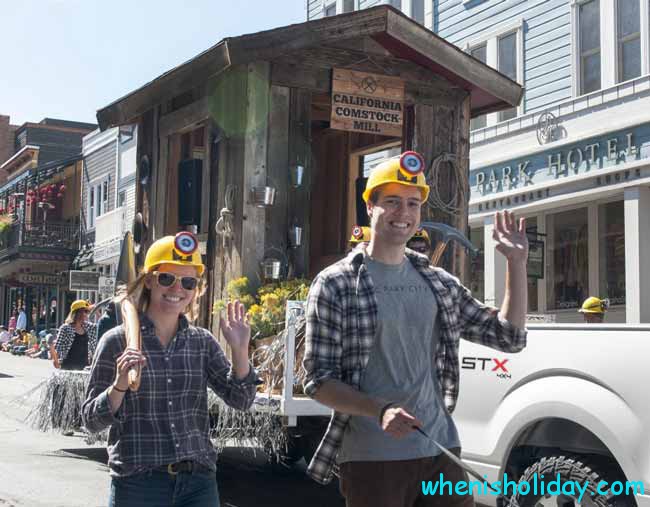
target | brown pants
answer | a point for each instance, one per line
(399, 483)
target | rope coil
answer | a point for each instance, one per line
(456, 203)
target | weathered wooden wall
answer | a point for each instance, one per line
(440, 130)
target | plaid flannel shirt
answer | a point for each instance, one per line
(167, 419)
(341, 327)
(65, 339)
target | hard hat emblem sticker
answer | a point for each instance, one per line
(185, 243)
(411, 163)
(357, 232)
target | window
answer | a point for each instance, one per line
(97, 201)
(417, 11)
(480, 53)
(568, 281)
(589, 28)
(611, 251)
(501, 48)
(121, 198)
(396, 3)
(348, 5)
(507, 65)
(329, 10)
(628, 35)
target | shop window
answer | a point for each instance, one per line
(611, 251)
(568, 281)
(480, 53)
(628, 34)
(477, 271)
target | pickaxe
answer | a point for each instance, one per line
(448, 234)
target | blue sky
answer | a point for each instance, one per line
(68, 58)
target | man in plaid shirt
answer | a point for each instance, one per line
(383, 332)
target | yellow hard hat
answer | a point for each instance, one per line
(360, 234)
(594, 305)
(179, 250)
(406, 170)
(80, 304)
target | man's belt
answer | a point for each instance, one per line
(183, 466)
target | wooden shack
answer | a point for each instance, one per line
(253, 110)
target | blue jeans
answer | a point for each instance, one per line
(160, 489)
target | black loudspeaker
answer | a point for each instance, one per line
(189, 192)
(362, 213)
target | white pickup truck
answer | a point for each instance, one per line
(573, 402)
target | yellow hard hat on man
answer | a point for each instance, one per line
(594, 305)
(179, 250)
(406, 170)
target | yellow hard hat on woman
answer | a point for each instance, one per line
(406, 170)
(179, 250)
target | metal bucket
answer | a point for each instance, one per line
(296, 172)
(295, 236)
(262, 196)
(271, 269)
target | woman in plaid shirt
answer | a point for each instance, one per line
(159, 448)
(382, 338)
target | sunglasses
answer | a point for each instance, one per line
(169, 279)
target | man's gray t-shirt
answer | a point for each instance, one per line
(401, 368)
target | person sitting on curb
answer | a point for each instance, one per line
(383, 329)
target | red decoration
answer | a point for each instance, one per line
(62, 188)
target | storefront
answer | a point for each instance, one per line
(586, 208)
(44, 296)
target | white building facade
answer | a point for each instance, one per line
(573, 158)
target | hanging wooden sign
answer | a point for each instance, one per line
(363, 102)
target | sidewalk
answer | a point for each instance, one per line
(43, 469)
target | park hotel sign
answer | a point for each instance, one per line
(586, 157)
(370, 103)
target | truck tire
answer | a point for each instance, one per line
(574, 470)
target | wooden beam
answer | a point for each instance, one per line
(184, 117)
(286, 73)
(277, 223)
(300, 153)
(255, 168)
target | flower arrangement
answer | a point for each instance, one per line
(266, 309)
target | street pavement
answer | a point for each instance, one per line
(51, 470)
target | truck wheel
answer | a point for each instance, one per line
(571, 471)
